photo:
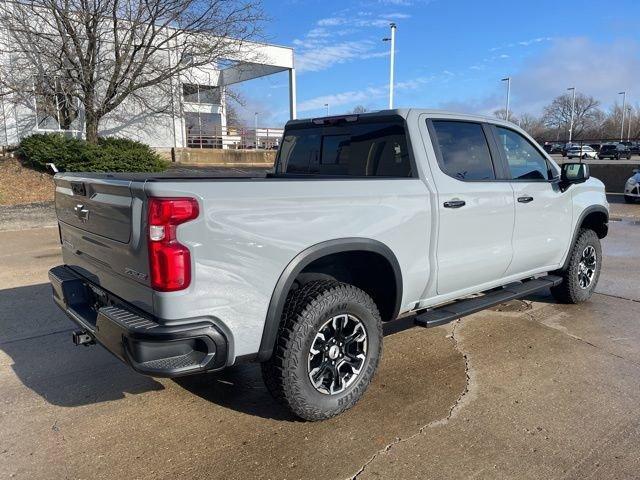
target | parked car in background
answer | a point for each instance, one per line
(583, 152)
(615, 151)
(634, 147)
(596, 146)
(553, 147)
(632, 187)
(567, 146)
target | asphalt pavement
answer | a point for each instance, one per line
(529, 389)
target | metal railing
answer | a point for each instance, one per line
(231, 137)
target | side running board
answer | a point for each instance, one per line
(460, 308)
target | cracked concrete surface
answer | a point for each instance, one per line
(465, 397)
(528, 390)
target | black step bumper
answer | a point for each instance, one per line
(149, 347)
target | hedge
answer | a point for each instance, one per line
(74, 155)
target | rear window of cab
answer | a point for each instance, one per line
(361, 148)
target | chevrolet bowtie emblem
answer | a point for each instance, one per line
(81, 212)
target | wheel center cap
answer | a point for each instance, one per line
(334, 352)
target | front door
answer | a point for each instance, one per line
(543, 212)
(476, 211)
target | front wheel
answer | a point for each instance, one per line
(327, 351)
(580, 278)
(629, 199)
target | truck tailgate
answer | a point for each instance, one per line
(101, 223)
(102, 208)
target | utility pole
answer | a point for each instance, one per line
(624, 106)
(391, 39)
(629, 124)
(573, 109)
(326, 105)
(255, 119)
(508, 80)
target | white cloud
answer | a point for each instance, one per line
(522, 43)
(331, 21)
(598, 69)
(317, 56)
(358, 96)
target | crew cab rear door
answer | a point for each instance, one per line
(476, 209)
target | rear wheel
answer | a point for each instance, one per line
(629, 199)
(580, 278)
(327, 351)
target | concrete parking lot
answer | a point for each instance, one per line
(530, 389)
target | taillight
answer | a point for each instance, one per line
(169, 260)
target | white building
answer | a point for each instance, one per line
(195, 117)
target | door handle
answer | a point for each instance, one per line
(525, 199)
(454, 204)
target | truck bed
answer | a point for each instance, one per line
(187, 173)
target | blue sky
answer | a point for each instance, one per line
(450, 54)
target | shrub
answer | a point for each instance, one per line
(74, 155)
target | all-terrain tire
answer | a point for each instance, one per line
(570, 290)
(306, 310)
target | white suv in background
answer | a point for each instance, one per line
(583, 152)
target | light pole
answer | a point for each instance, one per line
(573, 109)
(629, 124)
(508, 80)
(392, 39)
(255, 125)
(624, 106)
(326, 105)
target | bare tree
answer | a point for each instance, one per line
(501, 113)
(359, 109)
(587, 114)
(103, 52)
(532, 125)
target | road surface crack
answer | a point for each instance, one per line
(453, 411)
(563, 329)
(618, 297)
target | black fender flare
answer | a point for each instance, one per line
(587, 211)
(304, 258)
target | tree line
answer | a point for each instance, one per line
(590, 120)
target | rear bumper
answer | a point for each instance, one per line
(147, 346)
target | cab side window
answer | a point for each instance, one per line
(525, 161)
(463, 150)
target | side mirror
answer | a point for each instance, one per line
(636, 170)
(573, 173)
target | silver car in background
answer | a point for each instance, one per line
(632, 187)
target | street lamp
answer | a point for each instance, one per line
(573, 109)
(326, 105)
(391, 39)
(255, 124)
(624, 106)
(508, 80)
(629, 124)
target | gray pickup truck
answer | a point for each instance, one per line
(369, 224)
